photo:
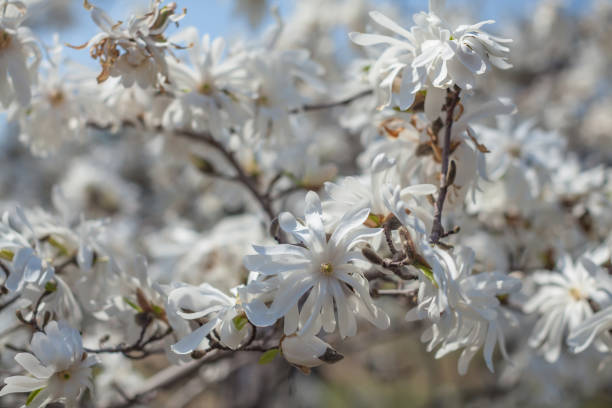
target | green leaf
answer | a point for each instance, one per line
(33, 395)
(133, 305)
(157, 310)
(427, 272)
(268, 356)
(239, 322)
(202, 164)
(375, 219)
(6, 254)
(50, 287)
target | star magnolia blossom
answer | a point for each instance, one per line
(208, 89)
(352, 194)
(596, 327)
(59, 368)
(430, 56)
(562, 302)
(219, 312)
(324, 271)
(19, 55)
(58, 102)
(472, 319)
(28, 265)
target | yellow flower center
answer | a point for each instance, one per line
(327, 269)
(64, 375)
(205, 88)
(576, 294)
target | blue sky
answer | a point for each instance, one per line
(217, 17)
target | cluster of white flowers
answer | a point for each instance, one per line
(169, 228)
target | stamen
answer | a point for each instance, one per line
(327, 269)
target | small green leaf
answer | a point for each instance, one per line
(366, 69)
(50, 287)
(133, 305)
(427, 272)
(239, 322)
(157, 310)
(33, 395)
(6, 254)
(375, 219)
(268, 356)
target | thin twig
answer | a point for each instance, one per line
(139, 347)
(241, 176)
(170, 377)
(452, 99)
(249, 182)
(346, 101)
(9, 302)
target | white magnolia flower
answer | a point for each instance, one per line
(275, 76)
(353, 194)
(218, 312)
(324, 271)
(562, 302)
(60, 101)
(476, 317)
(135, 299)
(19, 55)
(59, 300)
(524, 148)
(430, 57)
(20, 246)
(59, 367)
(308, 351)
(597, 327)
(468, 313)
(98, 190)
(207, 92)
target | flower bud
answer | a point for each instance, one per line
(308, 351)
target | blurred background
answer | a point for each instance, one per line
(562, 56)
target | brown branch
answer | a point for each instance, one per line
(9, 302)
(452, 99)
(343, 102)
(137, 350)
(248, 181)
(264, 199)
(169, 377)
(33, 320)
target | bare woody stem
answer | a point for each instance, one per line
(452, 99)
(242, 177)
(329, 105)
(264, 198)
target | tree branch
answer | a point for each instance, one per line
(452, 99)
(346, 101)
(241, 176)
